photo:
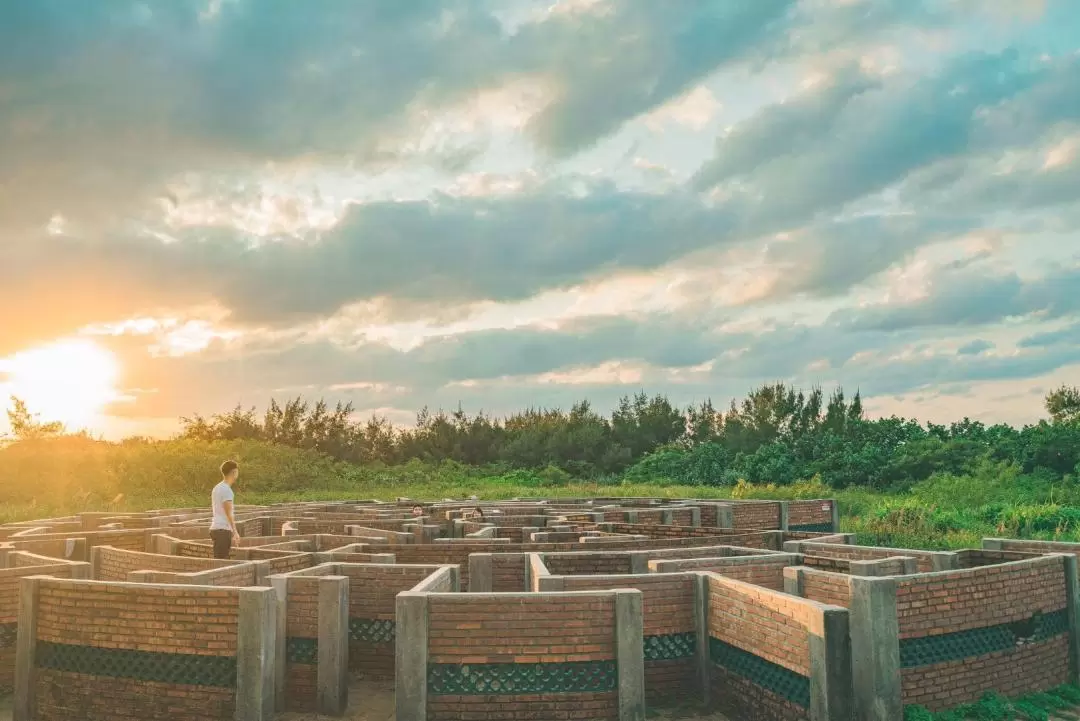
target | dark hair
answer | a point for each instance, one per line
(479, 511)
(228, 467)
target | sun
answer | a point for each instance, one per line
(70, 381)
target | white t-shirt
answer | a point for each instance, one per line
(222, 492)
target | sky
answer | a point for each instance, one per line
(502, 204)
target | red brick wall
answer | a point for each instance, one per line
(763, 515)
(372, 592)
(570, 564)
(827, 563)
(977, 598)
(766, 624)
(682, 516)
(826, 587)
(973, 557)
(667, 608)
(763, 571)
(924, 559)
(169, 620)
(468, 629)
(9, 611)
(115, 564)
(508, 572)
(802, 513)
(302, 621)
(708, 515)
(1041, 547)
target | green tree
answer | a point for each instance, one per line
(1063, 404)
(25, 425)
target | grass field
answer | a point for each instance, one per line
(62, 476)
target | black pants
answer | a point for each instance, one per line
(222, 542)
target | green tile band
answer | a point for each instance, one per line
(813, 527)
(175, 668)
(668, 646)
(773, 677)
(302, 650)
(929, 650)
(504, 679)
(8, 632)
(372, 630)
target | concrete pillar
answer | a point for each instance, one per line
(830, 668)
(4, 557)
(992, 544)
(630, 516)
(639, 562)
(257, 643)
(81, 571)
(1072, 605)
(945, 561)
(95, 562)
(411, 657)
(783, 515)
(793, 547)
(630, 655)
(280, 585)
(480, 580)
(666, 517)
(701, 627)
(875, 649)
(725, 517)
(793, 580)
(25, 649)
(333, 677)
(835, 516)
(552, 584)
(695, 516)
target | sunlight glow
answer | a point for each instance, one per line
(70, 381)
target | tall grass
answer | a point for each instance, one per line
(59, 477)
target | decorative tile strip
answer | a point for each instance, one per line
(812, 528)
(175, 668)
(302, 650)
(665, 647)
(504, 679)
(372, 630)
(775, 678)
(8, 632)
(929, 650)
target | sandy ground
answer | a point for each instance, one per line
(374, 701)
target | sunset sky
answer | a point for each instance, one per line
(509, 203)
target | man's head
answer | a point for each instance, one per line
(417, 511)
(230, 471)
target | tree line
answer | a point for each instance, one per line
(777, 434)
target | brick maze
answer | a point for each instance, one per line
(541, 609)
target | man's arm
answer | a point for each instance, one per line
(232, 521)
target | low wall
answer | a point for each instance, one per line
(480, 656)
(775, 657)
(670, 627)
(926, 561)
(948, 637)
(115, 564)
(10, 579)
(814, 515)
(160, 652)
(755, 515)
(766, 571)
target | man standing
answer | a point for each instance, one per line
(223, 528)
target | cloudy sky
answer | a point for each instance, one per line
(508, 203)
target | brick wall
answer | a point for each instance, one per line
(826, 563)
(763, 515)
(290, 563)
(759, 651)
(1038, 546)
(826, 587)
(809, 513)
(964, 632)
(114, 564)
(485, 632)
(508, 572)
(682, 516)
(973, 557)
(924, 559)
(301, 645)
(589, 563)
(86, 626)
(669, 628)
(764, 571)
(372, 590)
(9, 614)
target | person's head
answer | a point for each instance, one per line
(478, 513)
(230, 471)
(417, 511)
